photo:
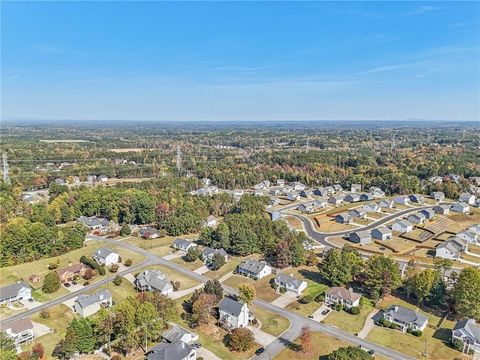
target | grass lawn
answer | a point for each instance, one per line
(119, 292)
(230, 266)
(322, 345)
(271, 322)
(60, 316)
(351, 323)
(155, 244)
(303, 309)
(262, 286)
(436, 342)
(189, 265)
(471, 258)
(39, 295)
(475, 249)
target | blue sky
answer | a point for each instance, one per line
(240, 60)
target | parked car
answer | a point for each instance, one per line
(197, 346)
(325, 312)
(66, 284)
(259, 351)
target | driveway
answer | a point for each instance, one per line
(318, 316)
(201, 270)
(369, 325)
(72, 288)
(174, 255)
(207, 354)
(261, 337)
(284, 300)
(30, 304)
(178, 294)
(40, 329)
(130, 278)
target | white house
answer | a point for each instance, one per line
(451, 249)
(442, 209)
(254, 269)
(417, 218)
(343, 218)
(360, 237)
(153, 280)
(340, 295)
(335, 199)
(208, 253)
(417, 198)
(402, 225)
(21, 331)
(402, 200)
(183, 245)
(355, 188)
(382, 233)
(359, 213)
(461, 207)
(105, 257)
(386, 204)
(293, 196)
(405, 318)
(148, 232)
(372, 208)
(14, 292)
(86, 305)
(468, 332)
(233, 313)
(290, 284)
(176, 333)
(467, 198)
(438, 196)
(469, 236)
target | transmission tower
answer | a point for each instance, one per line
(179, 159)
(6, 178)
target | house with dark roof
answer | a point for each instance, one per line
(339, 295)
(468, 332)
(417, 198)
(428, 213)
(366, 197)
(14, 292)
(417, 218)
(87, 305)
(104, 256)
(405, 318)
(233, 314)
(358, 213)
(320, 192)
(178, 333)
(343, 218)
(153, 280)
(183, 244)
(362, 237)
(21, 331)
(290, 284)
(442, 209)
(382, 233)
(149, 232)
(96, 224)
(254, 269)
(208, 253)
(352, 197)
(177, 350)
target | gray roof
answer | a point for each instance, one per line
(252, 266)
(181, 243)
(469, 326)
(10, 291)
(289, 279)
(362, 234)
(344, 215)
(230, 306)
(453, 244)
(175, 333)
(383, 230)
(169, 351)
(210, 251)
(152, 278)
(406, 315)
(18, 326)
(87, 300)
(404, 222)
(103, 253)
(91, 221)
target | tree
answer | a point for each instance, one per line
(217, 262)
(202, 308)
(422, 283)
(7, 347)
(466, 293)
(283, 254)
(349, 353)
(117, 280)
(306, 339)
(51, 283)
(125, 230)
(114, 268)
(88, 274)
(128, 262)
(382, 276)
(192, 254)
(312, 259)
(241, 339)
(442, 265)
(246, 293)
(38, 351)
(214, 287)
(339, 267)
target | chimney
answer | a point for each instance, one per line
(350, 289)
(100, 296)
(396, 308)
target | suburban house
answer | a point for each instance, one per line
(405, 318)
(351, 198)
(106, 257)
(372, 208)
(177, 350)
(377, 192)
(402, 225)
(208, 253)
(358, 213)
(254, 269)
(417, 218)
(330, 190)
(417, 198)
(233, 313)
(386, 204)
(467, 331)
(275, 215)
(153, 280)
(335, 199)
(337, 187)
(262, 185)
(21, 331)
(468, 236)
(69, 273)
(340, 295)
(183, 245)
(306, 193)
(178, 333)
(451, 249)
(467, 198)
(293, 196)
(442, 209)
(149, 232)
(290, 284)
(275, 192)
(298, 186)
(311, 206)
(102, 178)
(281, 182)
(274, 202)
(211, 221)
(382, 233)
(366, 197)
(86, 305)
(343, 218)
(14, 292)
(402, 200)
(428, 213)
(360, 237)
(475, 229)
(438, 195)
(96, 224)
(461, 207)
(354, 188)
(320, 192)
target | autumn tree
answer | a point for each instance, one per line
(202, 308)
(306, 339)
(246, 293)
(240, 339)
(382, 276)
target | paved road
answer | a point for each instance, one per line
(296, 321)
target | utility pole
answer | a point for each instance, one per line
(179, 159)
(6, 177)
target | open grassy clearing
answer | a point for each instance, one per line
(348, 322)
(271, 323)
(262, 286)
(230, 266)
(189, 265)
(474, 249)
(463, 221)
(155, 243)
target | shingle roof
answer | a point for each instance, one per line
(406, 315)
(469, 326)
(208, 251)
(231, 306)
(383, 230)
(289, 279)
(181, 243)
(252, 266)
(75, 268)
(12, 290)
(175, 333)
(18, 326)
(103, 253)
(87, 300)
(153, 278)
(343, 293)
(170, 351)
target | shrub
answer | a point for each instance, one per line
(118, 280)
(320, 298)
(282, 290)
(355, 310)
(51, 283)
(307, 299)
(457, 344)
(44, 314)
(128, 262)
(93, 265)
(192, 254)
(417, 333)
(114, 268)
(52, 266)
(86, 283)
(241, 339)
(338, 307)
(176, 285)
(125, 230)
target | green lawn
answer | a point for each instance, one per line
(262, 286)
(271, 322)
(230, 266)
(303, 309)
(351, 323)
(189, 265)
(119, 292)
